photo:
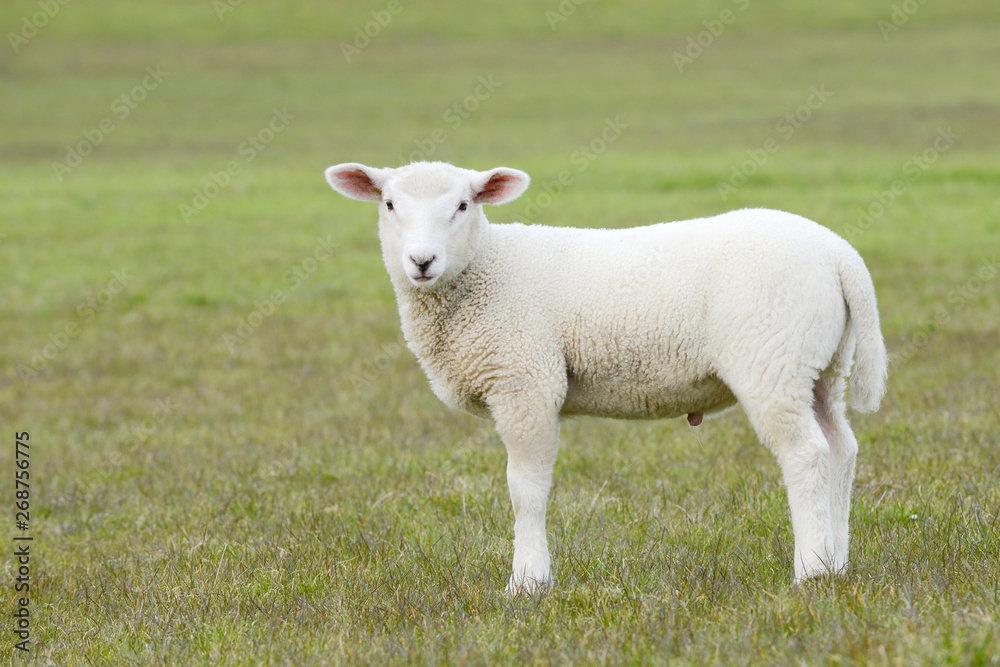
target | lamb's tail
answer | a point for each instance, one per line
(871, 360)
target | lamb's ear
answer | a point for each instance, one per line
(499, 186)
(357, 181)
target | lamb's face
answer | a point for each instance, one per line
(430, 213)
(427, 223)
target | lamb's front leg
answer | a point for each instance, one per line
(530, 431)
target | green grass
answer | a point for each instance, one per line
(299, 496)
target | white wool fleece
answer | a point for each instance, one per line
(527, 324)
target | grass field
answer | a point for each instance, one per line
(234, 460)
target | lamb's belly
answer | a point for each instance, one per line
(637, 400)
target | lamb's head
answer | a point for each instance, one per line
(430, 213)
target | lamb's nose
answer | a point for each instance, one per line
(423, 266)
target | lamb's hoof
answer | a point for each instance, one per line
(527, 586)
(819, 570)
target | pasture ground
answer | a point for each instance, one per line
(234, 460)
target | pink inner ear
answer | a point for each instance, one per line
(358, 183)
(495, 188)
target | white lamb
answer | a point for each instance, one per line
(528, 324)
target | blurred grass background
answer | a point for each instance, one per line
(300, 497)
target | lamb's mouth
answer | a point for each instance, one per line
(422, 279)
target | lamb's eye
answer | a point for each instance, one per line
(388, 205)
(464, 205)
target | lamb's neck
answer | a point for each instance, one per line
(423, 312)
(437, 300)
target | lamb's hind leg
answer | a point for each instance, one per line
(790, 430)
(831, 413)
